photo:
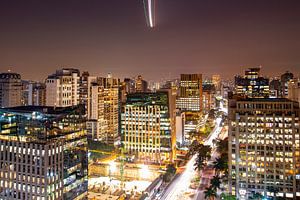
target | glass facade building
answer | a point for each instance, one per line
(43, 153)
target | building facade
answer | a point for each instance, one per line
(104, 107)
(190, 93)
(43, 153)
(284, 81)
(10, 90)
(252, 85)
(62, 88)
(147, 127)
(33, 93)
(264, 148)
(294, 90)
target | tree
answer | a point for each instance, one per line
(203, 154)
(222, 146)
(199, 163)
(210, 193)
(215, 182)
(220, 165)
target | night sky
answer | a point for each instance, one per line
(197, 36)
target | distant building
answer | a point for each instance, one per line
(140, 84)
(190, 93)
(264, 148)
(33, 93)
(252, 85)
(275, 88)
(83, 89)
(294, 90)
(216, 80)
(209, 92)
(62, 88)
(43, 153)
(10, 90)
(147, 127)
(284, 80)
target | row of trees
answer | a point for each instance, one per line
(220, 165)
(221, 171)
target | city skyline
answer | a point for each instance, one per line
(103, 37)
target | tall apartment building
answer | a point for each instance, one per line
(33, 93)
(10, 89)
(190, 94)
(264, 147)
(294, 90)
(43, 153)
(252, 85)
(147, 127)
(62, 88)
(104, 109)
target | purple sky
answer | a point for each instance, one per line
(197, 36)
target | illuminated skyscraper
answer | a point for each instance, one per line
(190, 94)
(264, 147)
(10, 90)
(43, 153)
(147, 131)
(252, 85)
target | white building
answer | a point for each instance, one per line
(264, 148)
(62, 88)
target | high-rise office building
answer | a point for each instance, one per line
(10, 89)
(62, 88)
(104, 107)
(147, 127)
(264, 147)
(294, 90)
(43, 153)
(190, 93)
(252, 85)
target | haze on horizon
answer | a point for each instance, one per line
(190, 36)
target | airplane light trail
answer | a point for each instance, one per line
(149, 8)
